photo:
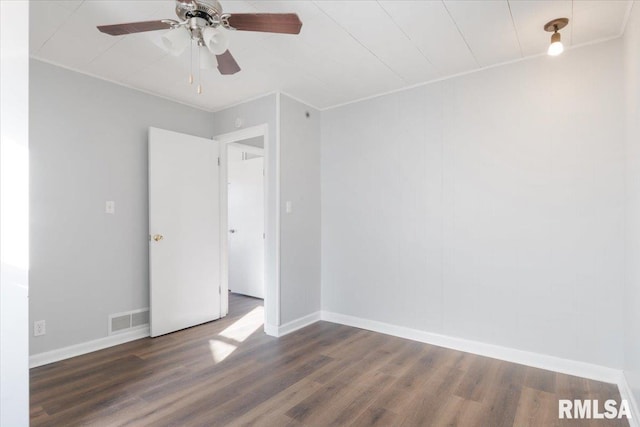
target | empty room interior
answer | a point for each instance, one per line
(318, 213)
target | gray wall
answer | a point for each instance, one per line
(300, 229)
(88, 144)
(632, 290)
(488, 207)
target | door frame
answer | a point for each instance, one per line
(271, 216)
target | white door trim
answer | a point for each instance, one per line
(273, 215)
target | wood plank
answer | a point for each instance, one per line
(279, 403)
(477, 379)
(540, 379)
(536, 408)
(377, 416)
(500, 406)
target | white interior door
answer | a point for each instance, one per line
(184, 229)
(246, 224)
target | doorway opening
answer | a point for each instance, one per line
(264, 146)
(245, 215)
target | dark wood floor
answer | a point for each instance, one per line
(325, 374)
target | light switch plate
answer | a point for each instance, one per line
(289, 207)
(110, 207)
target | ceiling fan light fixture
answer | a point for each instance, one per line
(556, 47)
(203, 23)
(208, 60)
(176, 40)
(215, 40)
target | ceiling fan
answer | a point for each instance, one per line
(200, 22)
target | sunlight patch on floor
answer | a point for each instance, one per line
(241, 329)
(237, 332)
(220, 350)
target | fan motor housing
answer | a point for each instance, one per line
(205, 9)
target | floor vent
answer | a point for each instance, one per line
(121, 322)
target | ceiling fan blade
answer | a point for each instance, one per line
(227, 63)
(134, 27)
(286, 23)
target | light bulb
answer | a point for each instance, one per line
(215, 40)
(208, 60)
(556, 47)
(176, 40)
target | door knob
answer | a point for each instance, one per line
(158, 237)
(232, 231)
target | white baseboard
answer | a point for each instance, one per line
(626, 394)
(536, 360)
(294, 325)
(86, 347)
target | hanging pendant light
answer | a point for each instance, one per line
(556, 47)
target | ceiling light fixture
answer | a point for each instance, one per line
(199, 27)
(208, 60)
(176, 40)
(215, 40)
(196, 33)
(555, 48)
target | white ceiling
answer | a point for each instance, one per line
(347, 50)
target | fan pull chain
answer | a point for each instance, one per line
(199, 67)
(191, 64)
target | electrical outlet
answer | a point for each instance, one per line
(39, 328)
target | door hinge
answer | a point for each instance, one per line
(219, 290)
(218, 161)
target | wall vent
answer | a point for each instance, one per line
(134, 319)
(140, 318)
